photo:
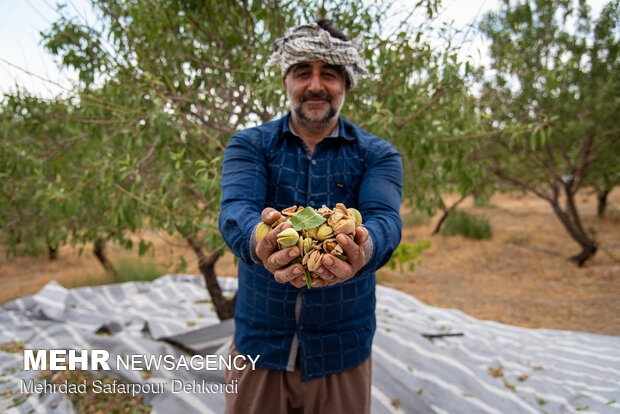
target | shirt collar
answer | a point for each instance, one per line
(333, 134)
(339, 130)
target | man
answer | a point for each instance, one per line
(314, 344)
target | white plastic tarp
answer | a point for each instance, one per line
(537, 371)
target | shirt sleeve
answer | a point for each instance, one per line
(244, 187)
(380, 196)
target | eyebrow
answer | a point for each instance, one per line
(300, 66)
(332, 67)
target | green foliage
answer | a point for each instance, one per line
(408, 254)
(468, 225)
(137, 270)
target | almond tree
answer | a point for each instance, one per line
(57, 178)
(25, 216)
(552, 96)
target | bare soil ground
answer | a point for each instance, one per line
(520, 277)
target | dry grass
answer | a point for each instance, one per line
(27, 275)
(521, 276)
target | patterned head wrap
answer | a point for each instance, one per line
(310, 42)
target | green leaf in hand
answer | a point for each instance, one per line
(307, 219)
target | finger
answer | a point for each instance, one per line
(270, 215)
(323, 280)
(269, 244)
(281, 258)
(325, 274)
(355, 254)
(299, 281)
(289, 273)
(319, 283)
(327, 278)
(339, 268)
(361, 235)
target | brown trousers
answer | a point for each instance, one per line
(283, 392)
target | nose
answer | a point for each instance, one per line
(315, 83)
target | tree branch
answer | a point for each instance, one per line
(425, 108)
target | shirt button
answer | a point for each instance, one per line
(313, 162)
(311, 203)
(301, 327)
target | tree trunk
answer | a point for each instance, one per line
(572, 223)
(602, 202)
(99, 251)
(586, 253)
(225, 308)
(446, 213)
(52, 252)
(17, 235)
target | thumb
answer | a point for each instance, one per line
(270, 215)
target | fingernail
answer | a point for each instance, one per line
(328, 260)
(296, 270)
(293, 253)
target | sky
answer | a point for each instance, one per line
(24, 61)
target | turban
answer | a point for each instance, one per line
(310, 42)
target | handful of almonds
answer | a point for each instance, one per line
(314, 232)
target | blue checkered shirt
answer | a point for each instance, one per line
(267, 166)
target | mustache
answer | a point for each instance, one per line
(312, 95)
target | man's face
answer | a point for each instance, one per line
(316, 92)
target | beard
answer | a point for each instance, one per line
(319, 121)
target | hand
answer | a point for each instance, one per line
(334, 270)
(277, 261)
